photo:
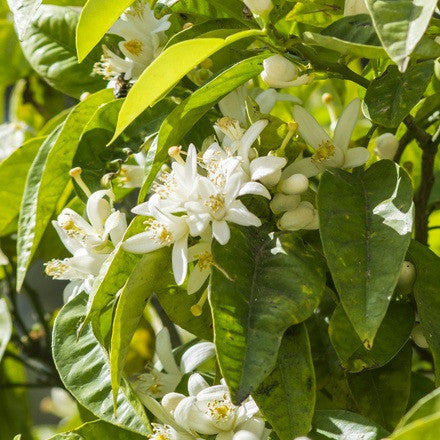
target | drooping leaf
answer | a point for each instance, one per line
(47, 179)
(366, 221)
(391, 96)
(24, 11)
(13, 172)
(166, 71)
(426, 293)
(85, 371)
(95, 20)
(266, 284)
(425, 407)
(382, 394)
(344, 425)
(400, 25)
(392, 335)
(148, 275)
(5, 326)
(50, 50)
(186, 114)
(287, 396)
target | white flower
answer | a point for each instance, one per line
(283, 202)
(354, 7)
(201, 254)
(295, 184)
(328, 152)
(267, 99)
(130, 175)
(12, 136)
(279, 73)
(210, 411)
(61, 404)
(259, 7)
(111, 66)
(164, 377)
(167, 432)
(4, 260)
(303, 216)
(386, 146)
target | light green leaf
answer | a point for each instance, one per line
(85, 371)
(148, 275)
(24, 11)
(365, 217)
(400, 25)
(50, 49)
(423, 429)
(98, 430)
(287, 396)
(425, 407)
(382, 394)
(95, 20)
(192, 109)
(391, 96)
(48, 177)
(426, 294)
(344, 425)
(166, 71)
(261, 285)
(13, 172)
(392, 335)
(5, 326)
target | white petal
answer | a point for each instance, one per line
(144, 208)
(265, 166)
(254, 188)
(115, 225)
(304, 166)
(157, 410)
(221, 231)
(164, 352)
(196, 355)
(355, 157)
(251, 136)
(180, 260)
(141, 244)
(346, 123)
(226, 435)
(239, 214)
(196, 384)
(282, 202)
(295, 184)
(196, 279)
(171, 400)
(309, 128)
(98, 210)
(71, 245)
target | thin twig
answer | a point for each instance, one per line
(166, 321)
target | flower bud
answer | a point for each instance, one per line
(386, 146)
(171, 400)
(278, 69)
(282, 203)
(295, 184)
(406, 277)
(354, 7)
(297, 218)
(259, 7)
(418, 336)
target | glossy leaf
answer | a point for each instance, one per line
(24, 11)
(425, 407)
(365, 217)
(192, 109)
(166, 71)
(85, 371)
(400, 26)
(426, 429)
(13, 172)
(5, 326)
(266, 283)
(426, 294)
(95, 20)
(382, 394)
(50, 49)
(148, 275)
(47, 179)
(287, 396)
(344, 425)
(391, 96)
(392, 335)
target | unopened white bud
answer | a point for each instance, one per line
(282, 202)
(386, 146)
(418, 336)
(354, 7)
(278, 69)
(171, 400)
(259, 7)
(297, 218)
(295, 184)
(406, 277)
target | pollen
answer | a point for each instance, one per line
(135, 47)
(230, 127)
(159, 232)
(56, 268)
(160, 432)
(325, 151)
(220, 409)
(215, 203)
(205, 260)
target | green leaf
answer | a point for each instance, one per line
(391, 96)
(344, 425)
(24, 11)
(287, 396)
(400, 25)
(425, 407)
(392, 335)
(85, 371)
(98, 430)
(166, 71)
(366, 221)
(13, 172)
(5, 326)
(47, 179)
(95, 20)
(50, 49)
(382, 394)
(426, 294)
(261, 285)
(424, 429)
(147, 276)
(193, 108)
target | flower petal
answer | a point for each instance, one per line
(346, 123)
(164, 352)
(141, 244)
(180, 260)
(98, 210)
(250, 136)
(221, 231)
(197, 278)
(254, 188)
(196, 355)
(196, 384)
(304, 166)
(265, 166)
(239, 214)
(355, 157)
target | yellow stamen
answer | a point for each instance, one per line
(175, 153)
(133, 46)
(325, 150)
(292, 126)
(197, 309)
(215, 202)
(75, 173)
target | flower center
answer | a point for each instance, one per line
(215, 202)
(56, 268)
(160, 432)
(159, 232)
(230, 127)
(205, 260)
(325, 151)
(133, 46)
(220, 410)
